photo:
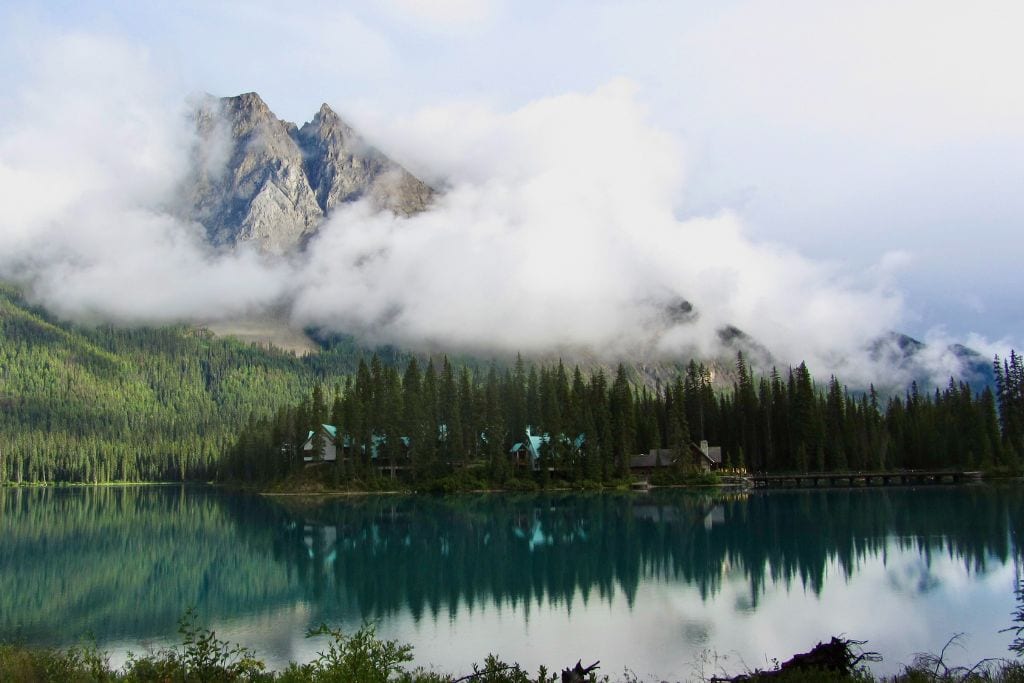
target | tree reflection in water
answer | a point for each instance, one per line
(123, 563)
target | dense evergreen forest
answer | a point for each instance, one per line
(431, 422)
(103, 403)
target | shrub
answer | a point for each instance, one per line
(360, 657)
(201, 657)
(521, 485)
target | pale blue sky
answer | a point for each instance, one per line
(849, 131)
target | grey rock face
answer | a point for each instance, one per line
(341, 168)
(260, 179)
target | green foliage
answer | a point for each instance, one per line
(363, 658)
(203, 658)
(1017, 646)
(104, 404)
(932, 668)
(683, 477)
(521, 486)
(200, 657)
(494, 670)
(359, 657)
(82, 663)
(460, 480)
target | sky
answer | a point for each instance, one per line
(876, 148)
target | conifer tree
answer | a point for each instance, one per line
(835, 454)
(622, 422)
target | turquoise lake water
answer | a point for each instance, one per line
(657, 582)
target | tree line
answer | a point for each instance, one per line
(435, 420)
(102, 403)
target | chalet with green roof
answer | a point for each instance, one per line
(526, 453)
(335, 444)
(328, 437)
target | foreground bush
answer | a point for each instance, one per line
(362, 657)
(201, 657)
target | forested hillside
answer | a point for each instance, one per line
(429, 423)
(105, 403)
(102, 403)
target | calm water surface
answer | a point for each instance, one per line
(649, 581)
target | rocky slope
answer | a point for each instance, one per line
(259, 179)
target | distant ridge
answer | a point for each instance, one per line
(256, 178)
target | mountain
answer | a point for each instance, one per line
(98, 403)
(918, 361)
(256, 178)
(259, 179)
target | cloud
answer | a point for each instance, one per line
(558, 229)
(91, 158)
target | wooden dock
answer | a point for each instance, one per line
(861, 479)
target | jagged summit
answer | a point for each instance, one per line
(341, 168)
(325, 111)
(250, 101)
(260, 179)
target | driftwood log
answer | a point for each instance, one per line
(578, 674)
(836, 656)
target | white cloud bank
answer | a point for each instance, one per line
(557, 228)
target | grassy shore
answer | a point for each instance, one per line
(362, 657)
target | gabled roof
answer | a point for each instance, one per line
(534, 442)
(657, 456)
(331, 430)
(668, 455)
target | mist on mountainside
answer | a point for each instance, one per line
(552, 228)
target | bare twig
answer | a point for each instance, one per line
(578, 673)
(469, 677)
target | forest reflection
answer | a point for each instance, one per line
(125, 562)
(382, 555)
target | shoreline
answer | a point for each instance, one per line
(351, 493)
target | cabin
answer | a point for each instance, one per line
(526, 453)
(333, 446)
(329, 437)
(703, 458)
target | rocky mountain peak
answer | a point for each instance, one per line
(260, 179)
(342, 167)
(325, 113)
(247, 102)
(248, 111)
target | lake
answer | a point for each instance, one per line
(657, 582)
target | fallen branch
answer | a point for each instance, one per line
(578, 674)
(836, 656)
(485, 672)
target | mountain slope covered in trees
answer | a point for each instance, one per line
(428, 424)
(102, 403)
(105, 403)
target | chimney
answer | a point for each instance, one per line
(704, 446)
